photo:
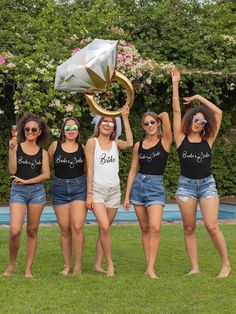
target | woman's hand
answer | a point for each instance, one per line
(18, 180)
(175, 75)
(188, 100)
(13, 143)
(125, 112)
(89, 201)
(126, 203)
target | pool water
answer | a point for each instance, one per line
(171, 213)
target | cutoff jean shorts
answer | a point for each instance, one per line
(27, 194)
(110, 196)
(147, 190)
(196, 188)
(65, 191)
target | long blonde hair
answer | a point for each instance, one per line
(154, 116)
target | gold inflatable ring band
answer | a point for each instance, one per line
(124, 81)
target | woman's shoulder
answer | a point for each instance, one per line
(53, 144)
(90, 141)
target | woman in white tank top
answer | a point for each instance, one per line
(103, 183)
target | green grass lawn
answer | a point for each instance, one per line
(130, 291)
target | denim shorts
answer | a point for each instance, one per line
(65, 191)
(28, 194)
(110, 196)
(148, 190)
(196, 188)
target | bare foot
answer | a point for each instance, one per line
(151, 274)
(77, 271)
(10, 269)
(28, 274)
(193, 272)
(65, 271)
(98, 269)
(110, 271)
(225, 271)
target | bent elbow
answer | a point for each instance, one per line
(47, 175)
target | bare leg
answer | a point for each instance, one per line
(155, 218)
(101, 215)
(33, 218)
(143, 220)
(209, 208)
(63, 218)
(78, 214)
(111, 213)
(17, 213)
(188, 212)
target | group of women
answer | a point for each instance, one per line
(88, 178)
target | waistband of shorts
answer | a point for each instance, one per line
(108, 188)
(72, 180)
(151, 176)
(29, 186)
(196, 180)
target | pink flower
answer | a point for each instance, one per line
(75, 50)
(2, 59)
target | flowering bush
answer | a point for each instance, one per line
(33, 79)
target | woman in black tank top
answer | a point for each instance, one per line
(69, 192)
(194, 136)
(145, 189)
(29, 167)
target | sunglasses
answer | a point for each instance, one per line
(33, 130)
(110, 123)
(152, 122)
(198, 120)
(71, 127)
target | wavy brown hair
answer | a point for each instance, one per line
(43, 138)
(209, 128)
(155, 117)
(62, 132)
(97, 131)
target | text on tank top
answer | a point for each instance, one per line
(195, 159)
(106, 165)
(152, 161)
(28, 166)
(68, 165)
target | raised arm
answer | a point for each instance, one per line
(132, 173)
(89, 154)
(166, 130)
(122, 145)
(178, 134)
(217, 111)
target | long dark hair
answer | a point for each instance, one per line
(97, 131)
(43, 138)
(62, 132)
(209, 128)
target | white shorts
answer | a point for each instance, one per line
(110, 196)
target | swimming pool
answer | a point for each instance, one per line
(171, 213)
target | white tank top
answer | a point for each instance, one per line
(106, 165)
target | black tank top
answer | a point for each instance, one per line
(195, 159)
(68, 165)
(153, 160)
(28, 166)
